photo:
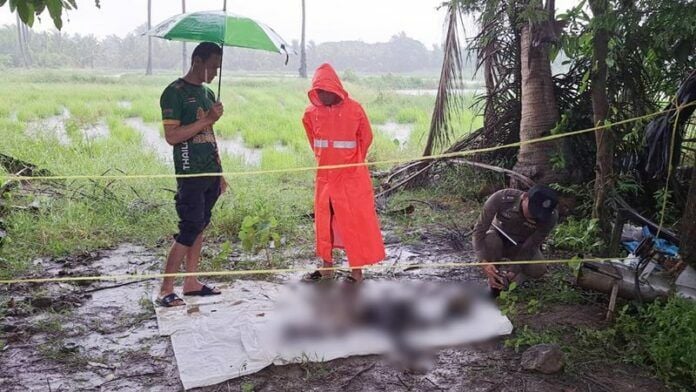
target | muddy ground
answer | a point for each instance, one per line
(103, 336)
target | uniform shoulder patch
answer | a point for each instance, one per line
(510, 195)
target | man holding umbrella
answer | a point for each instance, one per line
(189, 111)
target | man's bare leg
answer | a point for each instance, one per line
(357, 274)
(193, 257)
(176, 256)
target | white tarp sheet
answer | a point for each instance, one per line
(234, 334)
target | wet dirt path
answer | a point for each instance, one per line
(104, 337)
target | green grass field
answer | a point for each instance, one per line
(81, 215)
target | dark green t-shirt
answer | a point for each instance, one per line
(183, 103)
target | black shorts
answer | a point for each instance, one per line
(195, 199)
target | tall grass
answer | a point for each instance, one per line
(81, 215)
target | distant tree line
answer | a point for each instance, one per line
(401, 54)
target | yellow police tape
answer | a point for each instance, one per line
(343, 166)
(64, 279)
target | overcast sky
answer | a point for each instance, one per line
(327, 20)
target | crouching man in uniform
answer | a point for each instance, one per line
(513, 225)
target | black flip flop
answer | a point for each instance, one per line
(205, 291)
(167, 300)
(317, 277)
(312, 277)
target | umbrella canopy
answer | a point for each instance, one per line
(220, 27)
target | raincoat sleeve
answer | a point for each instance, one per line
(309, 128)
(490, 209)
(364, 134)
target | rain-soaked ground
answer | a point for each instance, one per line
(103, 336)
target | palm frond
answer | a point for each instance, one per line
(497, 48)
(449, 100)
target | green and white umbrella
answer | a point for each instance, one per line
(222, 28)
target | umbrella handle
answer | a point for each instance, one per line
(222, 50)
(287, 56)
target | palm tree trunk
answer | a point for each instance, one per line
(303, 51)
(184, 60)
(20, 42)
(23, 42)
(26, 38)
(148, 71)
(539, 111)
(604, 169)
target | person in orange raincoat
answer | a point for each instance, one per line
(344, 208)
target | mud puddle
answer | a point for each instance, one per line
(97, 336)
(95, 131)
(153, 139)
(236, 147)
(53, 126)
(400, 133)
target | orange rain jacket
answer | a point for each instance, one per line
(344, 206)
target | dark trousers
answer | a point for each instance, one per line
(195, 199)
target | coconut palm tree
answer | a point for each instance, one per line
(148, 71)
(539, 107)
(22, 42)
(604, 168)
(519, 99)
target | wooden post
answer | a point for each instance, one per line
(612, 301)
(615, 241)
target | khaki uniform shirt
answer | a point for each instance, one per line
(504, 209)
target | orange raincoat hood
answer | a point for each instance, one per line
(325, 78)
